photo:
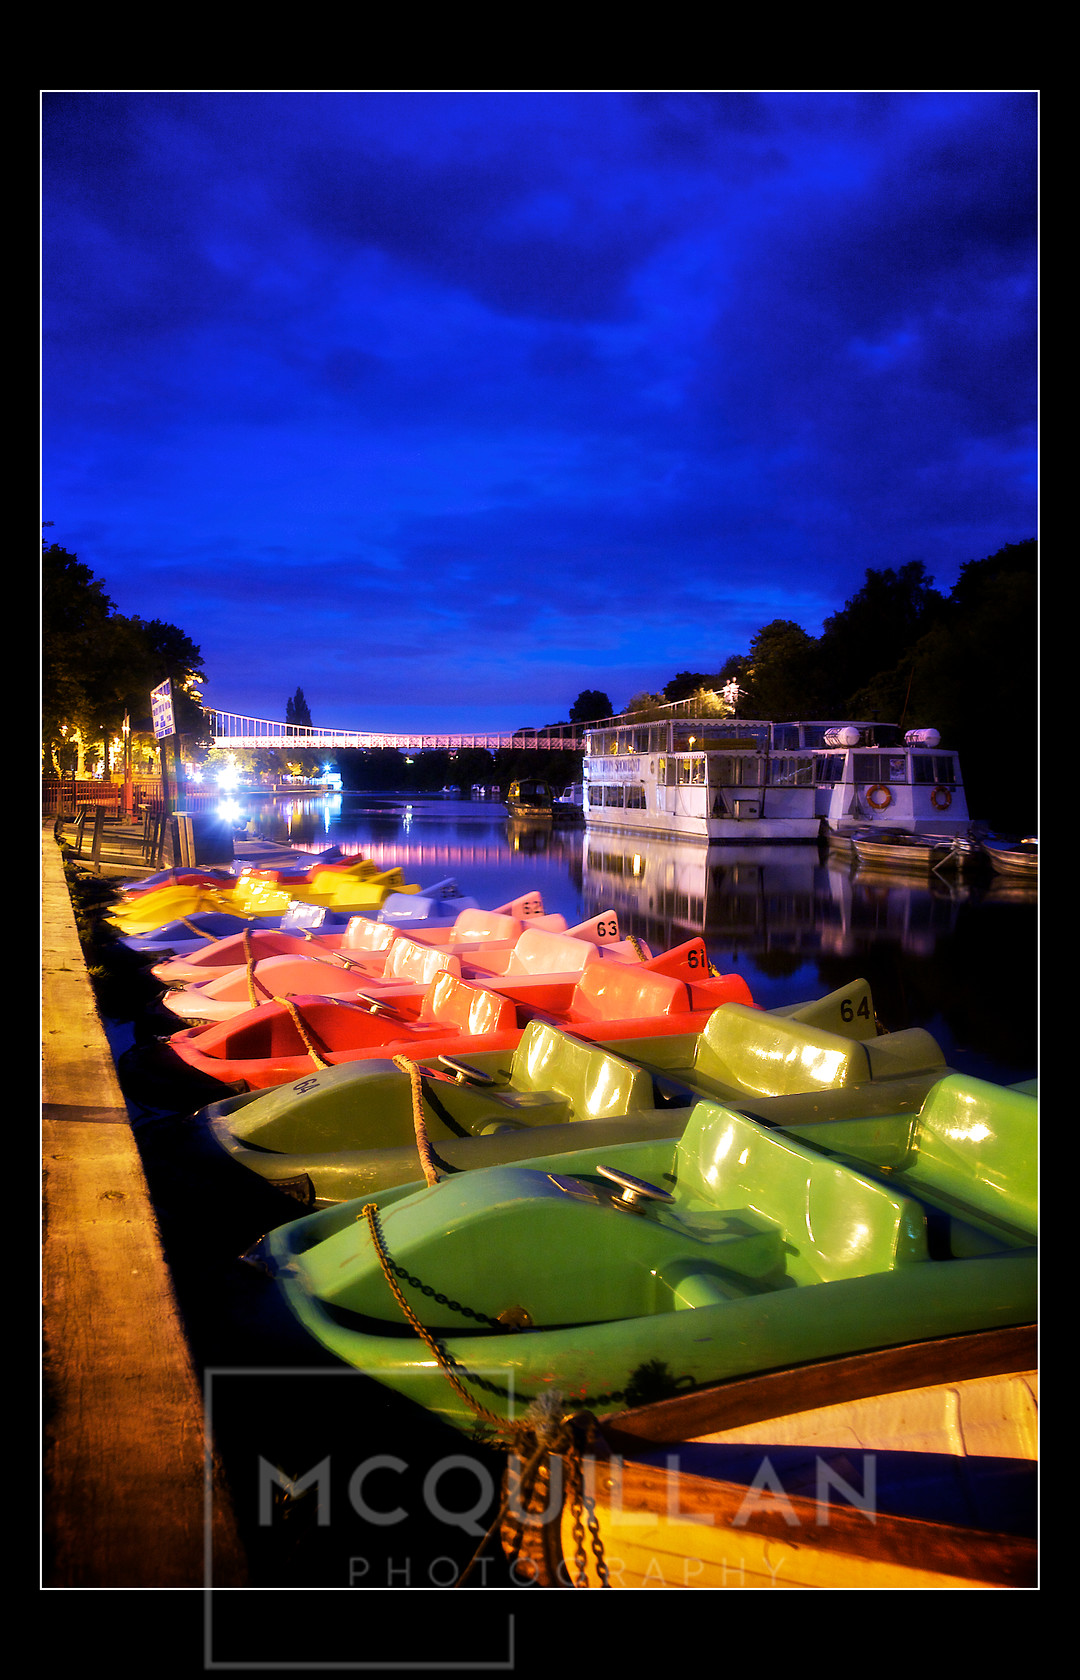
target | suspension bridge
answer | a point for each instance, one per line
(229, 729)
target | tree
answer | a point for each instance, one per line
(98, 665)
(296, 710)
(783, 674)
(686, 684)
(876, 628)
(645, 706)
(591, 705)
(974, 676)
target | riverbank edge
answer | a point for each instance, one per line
(131, 1495)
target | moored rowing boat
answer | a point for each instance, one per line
(346, 1131)
(912, 1467)
(669, 1266)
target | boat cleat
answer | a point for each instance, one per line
(466, 1074)
(636, 1192)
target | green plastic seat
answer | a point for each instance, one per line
(836, 1223)
(753, 1054)
(595, 1082)
(751, 1212)
(970, 1152)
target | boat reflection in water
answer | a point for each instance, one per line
(762, 899)
(957, 958)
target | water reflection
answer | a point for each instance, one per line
(767, 898)
(958, 957)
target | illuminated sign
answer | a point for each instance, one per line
(161, 708)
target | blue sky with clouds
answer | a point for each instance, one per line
(445, 406)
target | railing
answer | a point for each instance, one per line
(63, 794)
(229, 729)
(66, 795)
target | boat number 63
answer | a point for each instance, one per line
(607, 929)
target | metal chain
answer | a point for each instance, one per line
(513, 1435)
(371, 1213)
(581, 1502)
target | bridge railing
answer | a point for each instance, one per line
(232, 730)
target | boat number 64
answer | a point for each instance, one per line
(848, 1011)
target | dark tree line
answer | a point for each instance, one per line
(900, 651)
(98, 666)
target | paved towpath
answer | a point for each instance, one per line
(126, 1481)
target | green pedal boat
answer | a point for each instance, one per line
(346, 1131)
(597, 1279)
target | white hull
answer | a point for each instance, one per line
(708, 830)
(842, 829)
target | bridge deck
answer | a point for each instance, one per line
(231, 730)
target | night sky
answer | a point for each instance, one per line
(446, 406)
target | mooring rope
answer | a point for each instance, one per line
(423, 1142)
(302, 1028)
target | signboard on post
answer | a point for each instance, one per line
(161, 709)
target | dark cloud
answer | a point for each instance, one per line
(528, 392)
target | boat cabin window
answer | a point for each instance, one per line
(829, 767)
(794, 771)
(933, 767)
(870, 767)
(690, 769)
(696, 734)
(735, 769)
(622, 796)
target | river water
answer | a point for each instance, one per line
(957, 956)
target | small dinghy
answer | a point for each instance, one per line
(1018, 859)
(347, 1130)
(362, 950)
(909, 1467)
(360, 889)
(914, 853)
(599, 998)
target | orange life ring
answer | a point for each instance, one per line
(878, 804)
(941, 799)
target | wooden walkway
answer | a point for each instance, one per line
(131, 1497)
